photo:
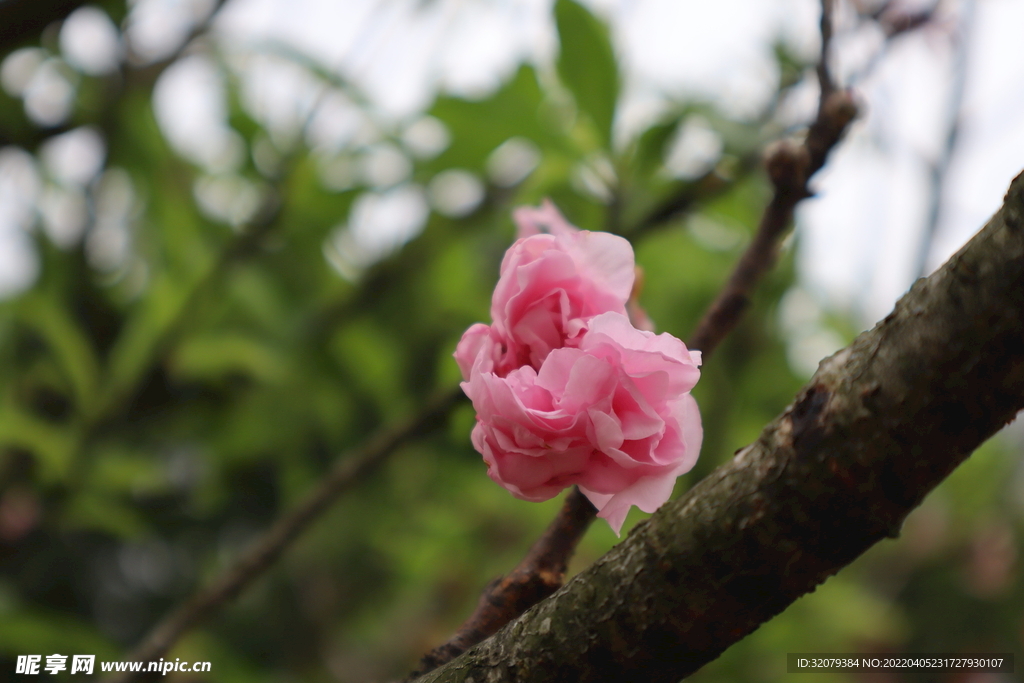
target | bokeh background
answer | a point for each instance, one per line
(237, 238)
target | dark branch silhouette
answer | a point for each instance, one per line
(825, 83)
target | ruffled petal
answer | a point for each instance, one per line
(606, 260)
(547, 218)
(647, 493)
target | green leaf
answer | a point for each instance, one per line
(66, 339)
(118, 470)
(586, 64)
(100, 512)
(143, 333)
(52, 446)
(26, 631)
(480, 126)
(214, 355)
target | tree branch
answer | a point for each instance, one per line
(825, 83)
(790, 166)
(712, 183)
(898, 22)
(23, 20)
(348, 470)
(879, 425)
(938, 171)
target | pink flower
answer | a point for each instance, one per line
(613, 416)
(567, 391)
(550, 284)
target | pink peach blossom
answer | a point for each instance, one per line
(549, 285)
(566, 390)
(613, 416)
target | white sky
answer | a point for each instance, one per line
(863, 234)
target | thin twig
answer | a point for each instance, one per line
(348, 470)
(790, 165)
(938, 172)
(825, 81)
(714, 183)
(894, 23)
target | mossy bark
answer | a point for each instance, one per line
(879, 425)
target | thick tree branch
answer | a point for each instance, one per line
(349, 469)
(879, 425)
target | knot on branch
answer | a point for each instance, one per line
(835, 114)
(839, 109)
(787, 163)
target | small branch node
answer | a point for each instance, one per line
(787, 162)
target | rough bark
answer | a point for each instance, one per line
(878, 426)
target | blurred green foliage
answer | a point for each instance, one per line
(158, 412)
